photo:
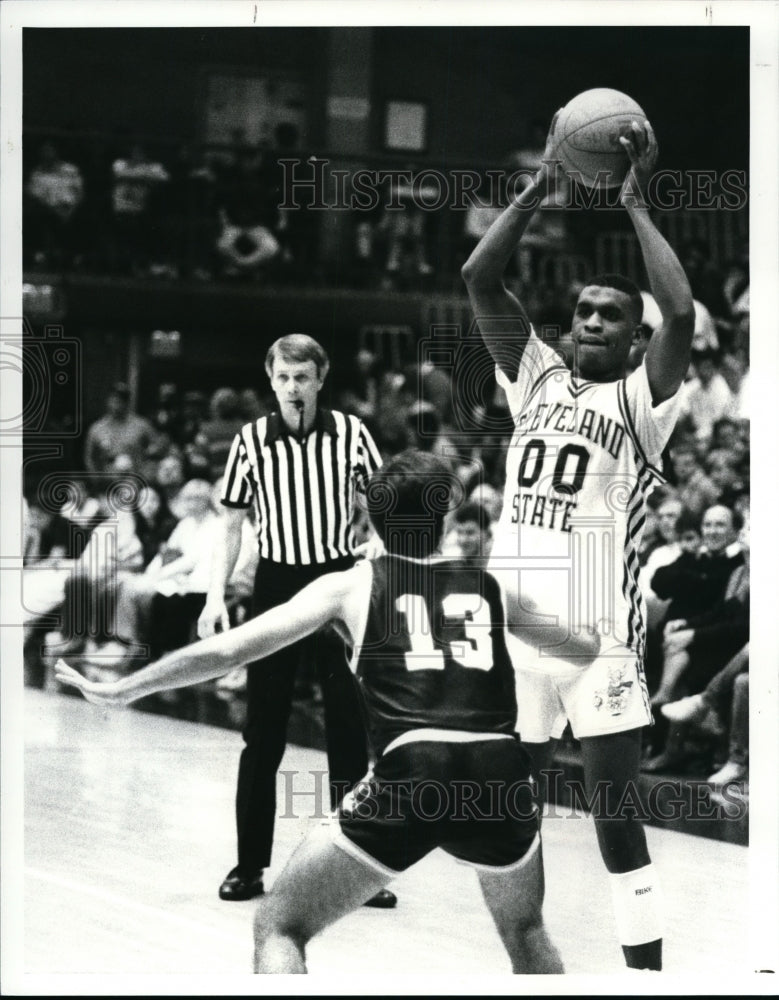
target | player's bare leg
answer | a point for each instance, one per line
(515, 899)
(541, 756)
(613, 760)
(320, 884)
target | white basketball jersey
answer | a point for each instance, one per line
(581, 463)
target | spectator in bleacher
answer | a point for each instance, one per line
(651, 536)
(169, 478)
(706, 281)
(360, 392)
(154, 522)
(705, 337)
(736, 767)
(252, 407)
(650, 321)
(706, 397)
(664, 547)
(120, 432)
(482, 211)
(246, 251)
(121, 465)
(721, 708)
(165, 415)
(651, 317)
(424, 432)
(734, 368)
(160, 606)
(404, 231)
(246, 244)
(240, 191)
(136, 234)
(704, 657)
(698, 645)
(478, 219)
(197, 464)
(693, 486)
(395, 399)
(53, 195)
(435, 386)
(732, 437)
(736, 279)
(217, 433)
(680, 531)
(194, 411)
(741, 324)
(696, 585)
(469, 533)
(490, 498)
(64, 532)
(696, 580)
(114, 549)
(191, 213)
(722, 467)
(430, 385)
(59, 535)
(180, 572)
(295, 229)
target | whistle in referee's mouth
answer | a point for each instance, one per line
(300, 406)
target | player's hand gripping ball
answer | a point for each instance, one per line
(587, 134)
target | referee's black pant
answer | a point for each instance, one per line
(270, 688)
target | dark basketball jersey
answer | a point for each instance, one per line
(434, 652)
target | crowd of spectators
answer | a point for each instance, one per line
(117, 573)
(695, 579)
(214, 214)
(208, 214)
(183, 212)
(695, 550)
(148, 561)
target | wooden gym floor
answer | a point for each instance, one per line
(128, 831)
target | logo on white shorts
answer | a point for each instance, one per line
(616, 695)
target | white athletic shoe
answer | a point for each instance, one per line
(694, 711)
(729, 772)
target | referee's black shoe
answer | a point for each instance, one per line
(238, 887)
(383, 900)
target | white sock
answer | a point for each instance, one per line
(637, 906)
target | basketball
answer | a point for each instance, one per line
(588, 131)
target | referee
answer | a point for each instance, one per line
(300, 467)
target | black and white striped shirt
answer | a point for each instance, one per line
(303, 491)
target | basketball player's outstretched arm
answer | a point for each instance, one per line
(501, 319)
(527, 621)
(668, 355)
(327, 599)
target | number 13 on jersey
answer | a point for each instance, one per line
(467, 611)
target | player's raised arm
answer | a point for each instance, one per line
(316, 605)
(668, 355)
(501, 319)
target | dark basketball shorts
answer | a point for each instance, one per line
(474, 800)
